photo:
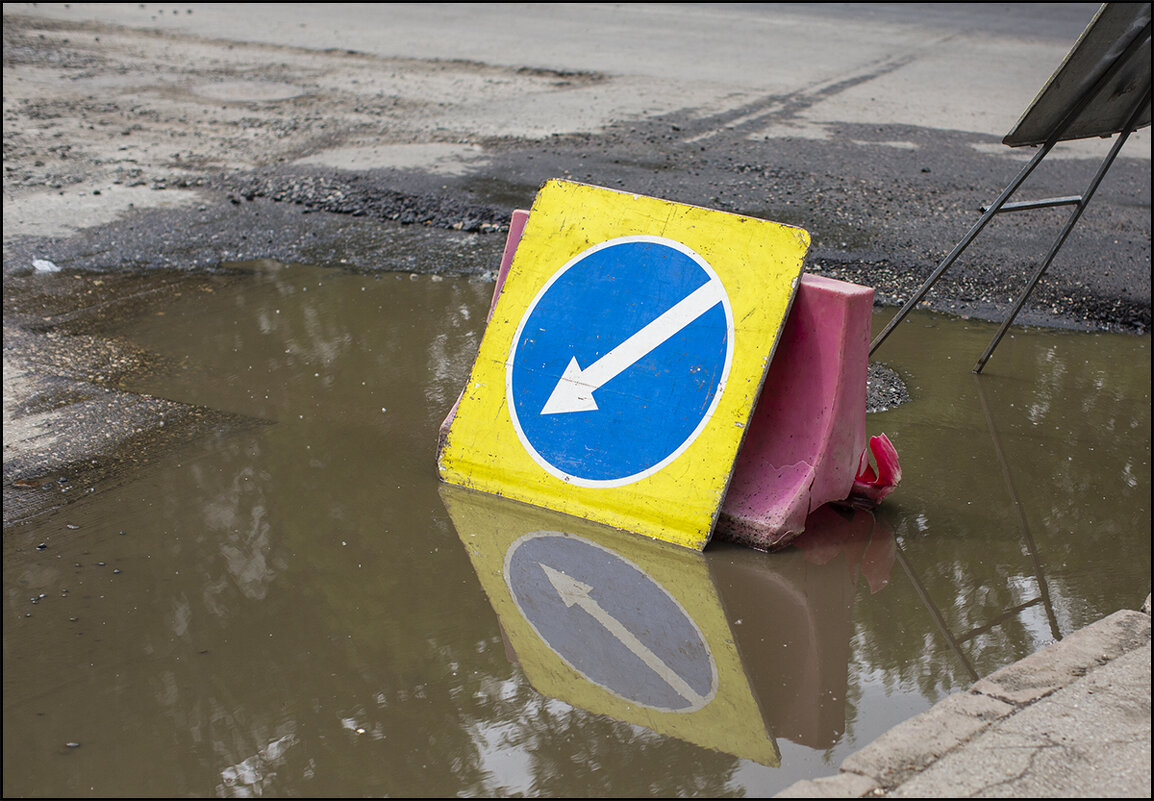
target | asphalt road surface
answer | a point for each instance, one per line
(875, 127)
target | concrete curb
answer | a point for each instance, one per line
(1067, 697)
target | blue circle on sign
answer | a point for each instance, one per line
(609, 621)
(620, 361)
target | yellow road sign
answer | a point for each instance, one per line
(623, 360)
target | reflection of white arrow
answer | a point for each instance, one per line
(574, 391)
(573, 592)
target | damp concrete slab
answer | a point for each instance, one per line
(1071, 720)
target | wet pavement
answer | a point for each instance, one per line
(1070, 721)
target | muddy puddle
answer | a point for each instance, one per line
(300, 608)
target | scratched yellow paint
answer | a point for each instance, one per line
(757, 262)
(730, 721)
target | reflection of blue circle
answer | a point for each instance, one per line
(651, 411)
(626, 634)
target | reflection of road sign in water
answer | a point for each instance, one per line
(620, 360)
(611, 622)
(617, 626)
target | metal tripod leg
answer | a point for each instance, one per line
(1143, 100)
(962, 245)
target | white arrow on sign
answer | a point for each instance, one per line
(574, 390)
(576, 592)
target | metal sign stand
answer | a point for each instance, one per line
(1074, 118)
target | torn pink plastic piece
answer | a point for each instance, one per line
(872, 485)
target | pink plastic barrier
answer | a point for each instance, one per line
(516, 228)
(512, 239)
(806, 440)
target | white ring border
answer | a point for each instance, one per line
(721, 384)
